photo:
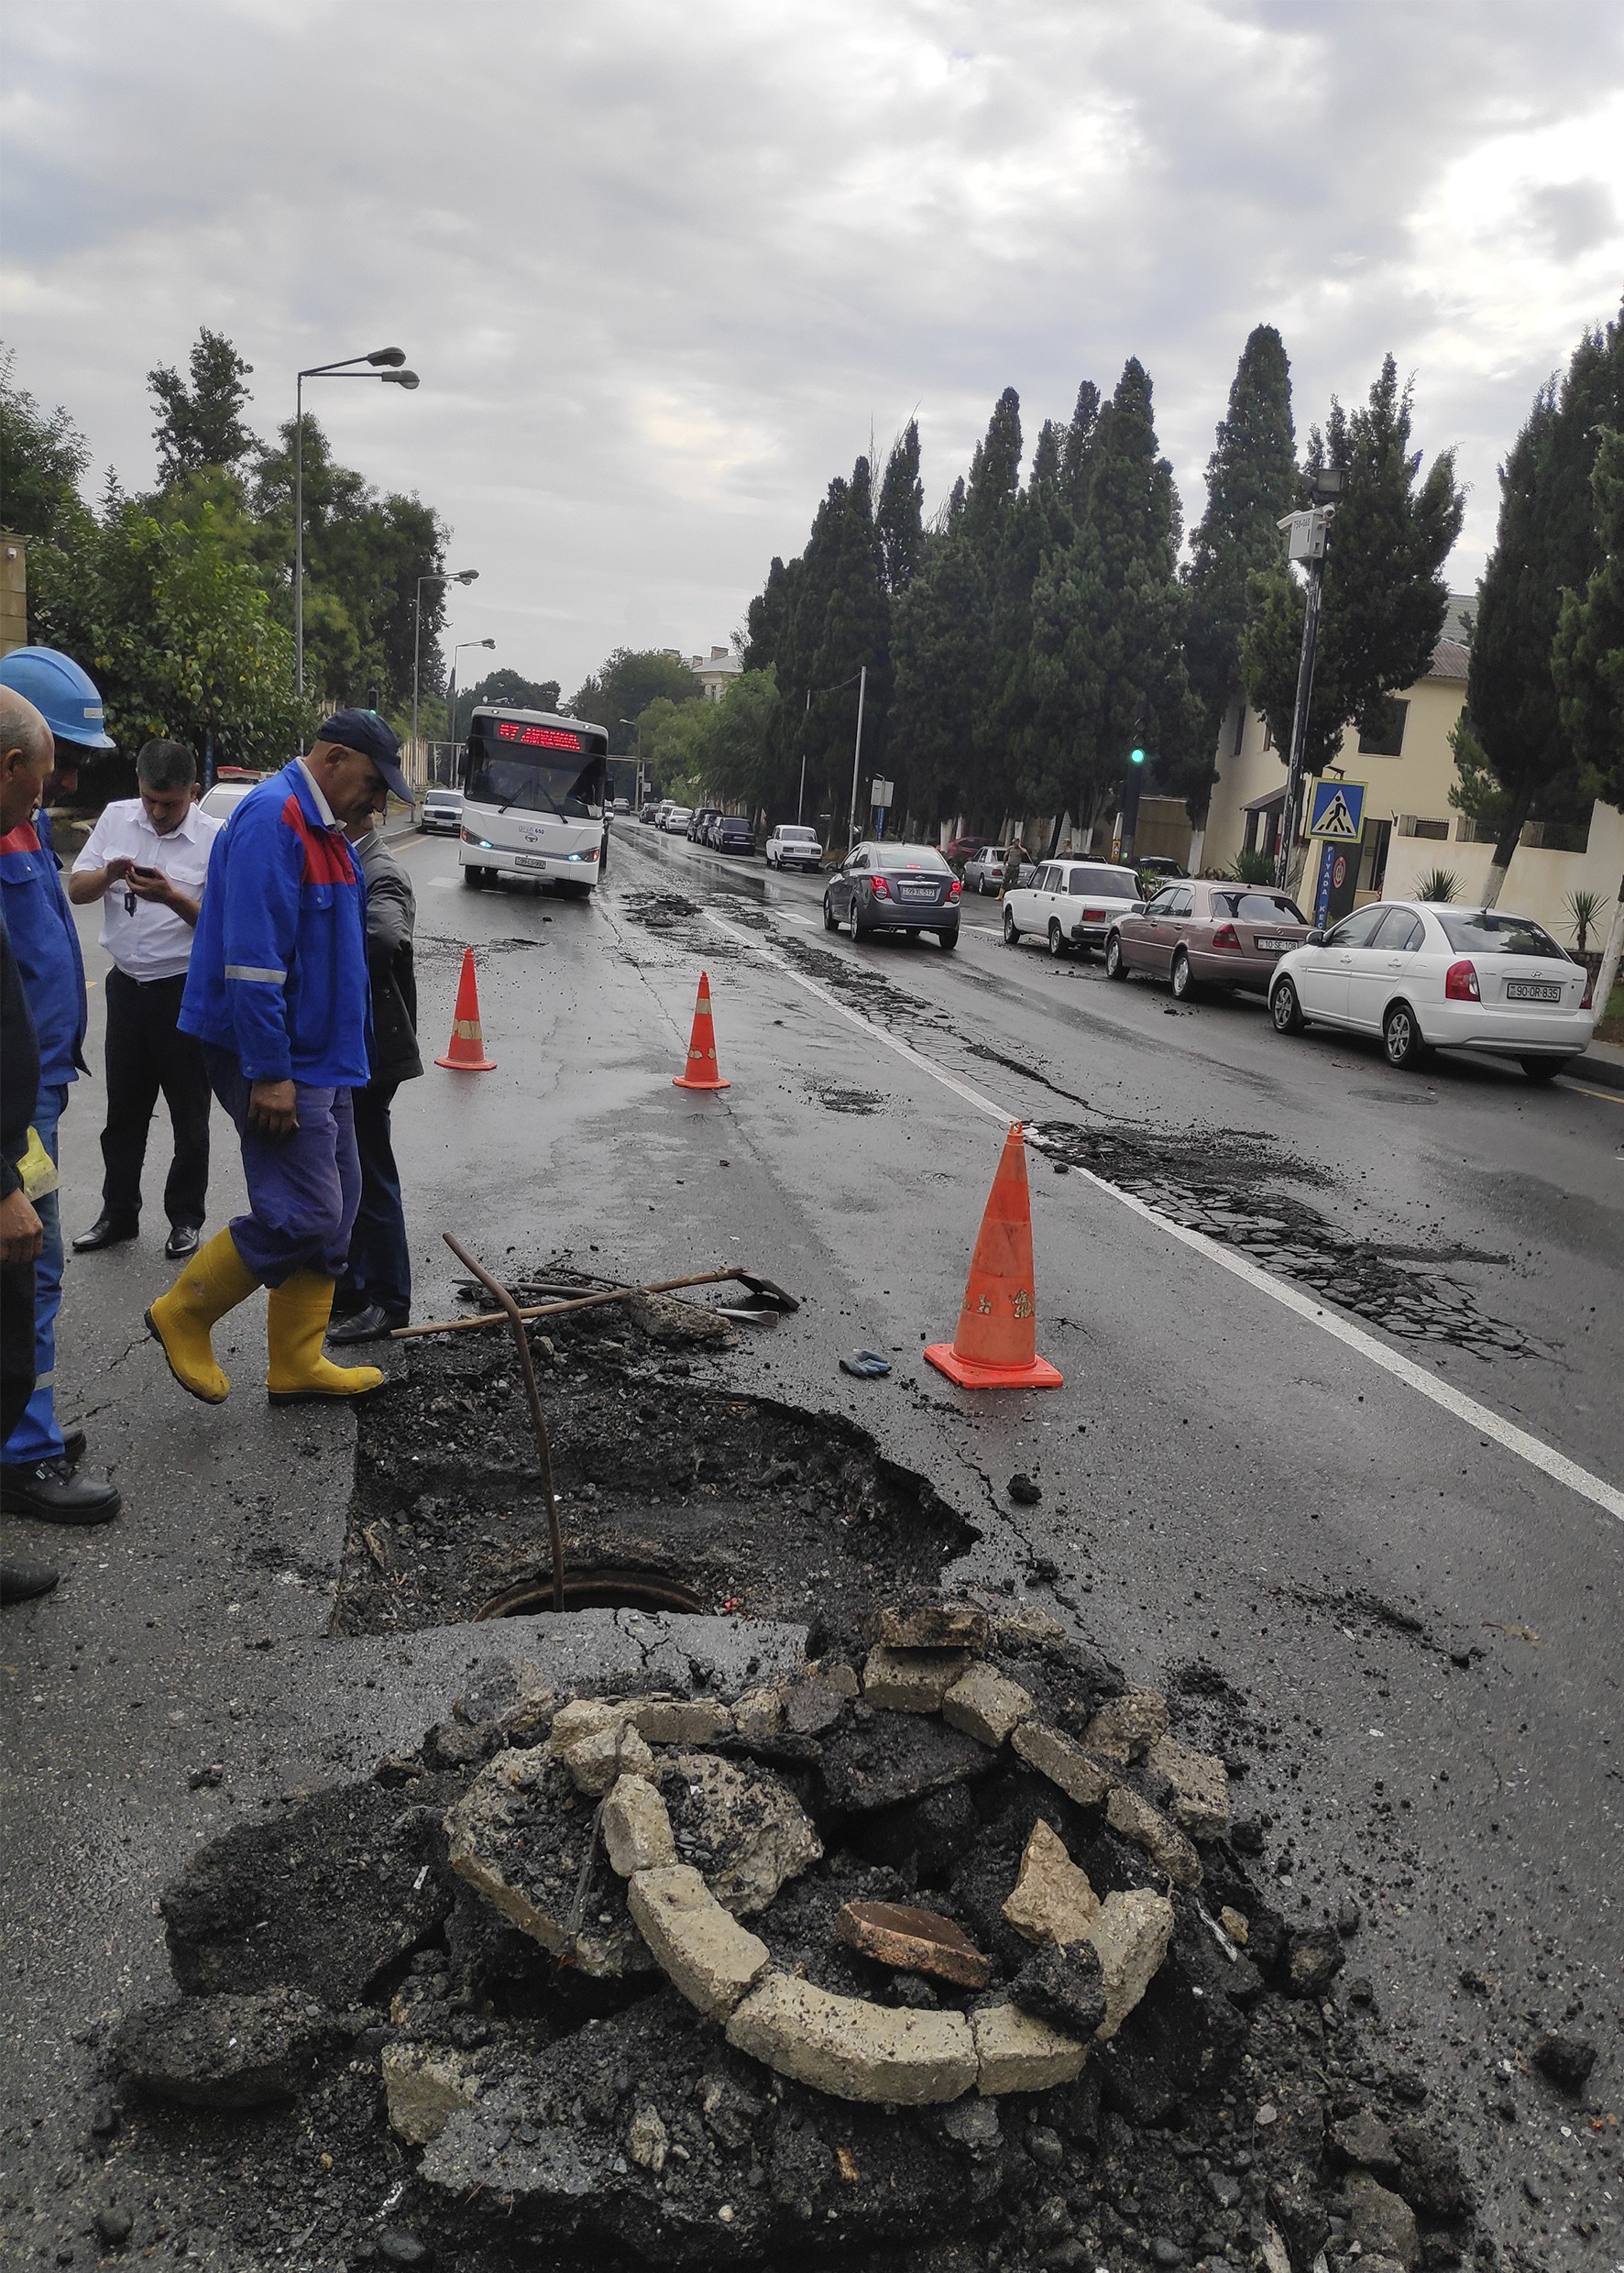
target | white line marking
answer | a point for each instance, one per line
(1506, 1434)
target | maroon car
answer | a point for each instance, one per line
(1196, 934)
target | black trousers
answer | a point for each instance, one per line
(16, 1343)
(146, 1058)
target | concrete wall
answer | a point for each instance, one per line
(1538, 883)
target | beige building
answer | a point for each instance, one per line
(13, 594)
(714, 670)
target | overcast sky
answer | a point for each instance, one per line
(666, 269)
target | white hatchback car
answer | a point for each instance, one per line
(1425, 974)
(791, 846)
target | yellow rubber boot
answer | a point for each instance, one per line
(297, 1319)
(215, 1281)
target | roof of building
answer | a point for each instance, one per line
(1450, 660)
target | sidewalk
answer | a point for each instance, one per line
(1602, 1063)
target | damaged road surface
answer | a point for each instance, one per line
(254, 2006)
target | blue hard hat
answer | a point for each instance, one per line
(64, 696)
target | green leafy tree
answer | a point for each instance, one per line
(1587, 661)
(42, 458)
(941, 649)
(1383, 595)
(767, 617)
(177, 633)
(1252, 480)
(1514, 751)
(1077, 444)
(854, 635)
(505, 687)
(625, 684)
(899, 519)
(741, 740)
(200, 424)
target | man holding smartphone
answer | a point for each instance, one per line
(146, 859)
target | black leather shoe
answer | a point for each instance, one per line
(73, 1446)
(21, 1579)
(370, 1324)
(51, 1492)
(182, 1242)
(106, 1232)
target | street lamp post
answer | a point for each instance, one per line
(454, 575)
(383, 362)
(633, 724)
(451, 694)
(1306, 534)
(863, 686)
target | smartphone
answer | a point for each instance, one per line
(148, 875)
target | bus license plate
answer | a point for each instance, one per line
(532, 860)
(1532, 991)
(1272, 946)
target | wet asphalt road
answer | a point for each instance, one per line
(1222, 1480)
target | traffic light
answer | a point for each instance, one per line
(1135, 757)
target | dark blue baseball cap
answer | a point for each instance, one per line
(366, 731)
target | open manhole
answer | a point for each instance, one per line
(675, 1494)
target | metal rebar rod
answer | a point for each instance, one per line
(531, 1311)
(511, 1311)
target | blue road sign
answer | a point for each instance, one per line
(1336, 810)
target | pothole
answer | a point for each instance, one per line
(674, 1493)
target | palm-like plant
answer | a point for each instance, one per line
(1438, 883)
(1585, 906)
(1254, 867)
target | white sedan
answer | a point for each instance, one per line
(1072, 904)
(1425, 974)
(791, 846)
(675, 822)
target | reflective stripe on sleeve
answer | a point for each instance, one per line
(263, 978)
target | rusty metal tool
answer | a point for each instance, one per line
(529, 1311)
(510, 1311)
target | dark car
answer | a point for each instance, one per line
(733, 832)
(1198, 934)
(894, 887)
(700, 821)
(964, 849)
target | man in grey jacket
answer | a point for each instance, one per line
(374, 1294)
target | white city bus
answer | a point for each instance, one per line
(533, 799)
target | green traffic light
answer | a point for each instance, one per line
(1135, 757)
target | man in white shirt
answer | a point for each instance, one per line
(145, 861)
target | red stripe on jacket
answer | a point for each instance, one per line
(326, 855)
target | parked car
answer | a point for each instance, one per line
(1157, 864)
(733, 832)
(1199, 934)
(984, 871)
(700, 821)
(791, 846)
(962, 849)
(894, 887)
(1072, 904)
(622, 805)
(1427, 975)
(676, 821)
(220, 802)
(441, 812)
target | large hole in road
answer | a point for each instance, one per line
(675, 1494)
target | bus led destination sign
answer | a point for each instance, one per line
(537, 737)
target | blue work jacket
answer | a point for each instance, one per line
(45, 946)
(278, 973)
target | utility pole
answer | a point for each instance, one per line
(862, 681)
(805, 730)
(1306, 534)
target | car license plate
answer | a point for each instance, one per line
(1532, 991)
(918, 892)
(1265, 946)
(532, 860)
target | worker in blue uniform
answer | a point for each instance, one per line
(44, 694)
(277, 993)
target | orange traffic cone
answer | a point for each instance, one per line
(996, 1344)
(701, 1071)
(464, 1052)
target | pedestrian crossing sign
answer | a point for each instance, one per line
(1336, 810)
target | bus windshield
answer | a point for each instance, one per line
(515, 765)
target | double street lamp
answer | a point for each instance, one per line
(384, 363)
(454, 576)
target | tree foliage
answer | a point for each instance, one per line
(202, 424)
(42, 458)
(624, 685)
(505, 687)
(1518, 753)
(1588, 660)
(1385, 597)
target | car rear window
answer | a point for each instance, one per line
(1105, 884)
(1487, 932)
(913, 856)
(1257, 907)
(799, 835)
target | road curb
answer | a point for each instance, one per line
(1605, 1073)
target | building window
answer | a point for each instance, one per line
(1240, 729)
(1411, 825)
(1386, 737)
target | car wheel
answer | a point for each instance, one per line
(831, 922)
(1056, 939)
(474, 879)
(1544, 1069)
(1114, 966)
(1012, 930)
(1182, 982)
(1402, 1038)
(1285, 1009)
(853, 928)
(948, 939)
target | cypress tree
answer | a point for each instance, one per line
(994, 473)
(1077, 449)
(899, 521)
(1251, 482)
(1515, 752)
(941, 646)
(1588, 657)
(766, 618)
(1383, 595)
(852, 633)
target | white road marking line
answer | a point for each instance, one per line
(1506, 1434)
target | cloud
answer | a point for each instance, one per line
(664, 271)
